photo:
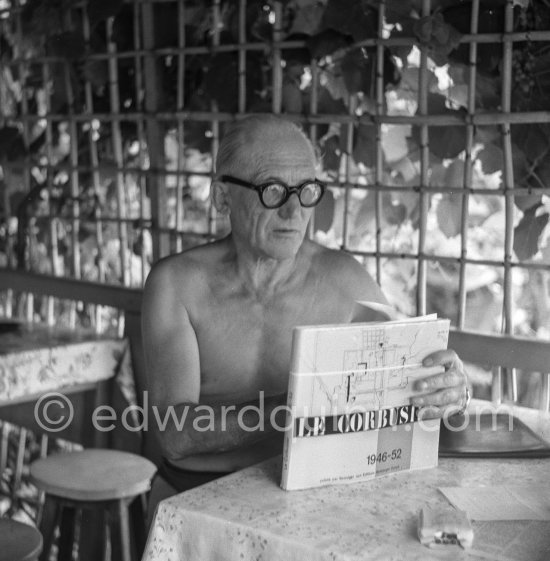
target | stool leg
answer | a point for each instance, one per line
(92, 533)
(138, 510)
(107, 555)
(50, 520)
(67, 534)
(120, 532)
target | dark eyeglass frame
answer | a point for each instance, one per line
(289, 189)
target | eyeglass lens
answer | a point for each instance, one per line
(275, 193)
(310, 194)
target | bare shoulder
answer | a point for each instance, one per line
(180, 278)
(347, 274)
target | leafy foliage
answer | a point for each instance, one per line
(447, 141)
(437, 36)
(333, 36)
(528, 232)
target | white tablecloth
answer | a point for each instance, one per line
(37, 359)
(246, 516)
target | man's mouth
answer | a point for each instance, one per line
(286, 231)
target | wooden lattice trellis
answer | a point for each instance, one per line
(152, 213)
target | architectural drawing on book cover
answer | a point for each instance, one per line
(377, 374)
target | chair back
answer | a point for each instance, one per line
(505, 355)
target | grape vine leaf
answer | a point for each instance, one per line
(351, 17)
(411, 204)
(406, 174)
(490, 20)
(331, 153)
(454, 175)
(533, 140)
(449, 215)
(394, 211)
(291, 97)
(8, 136)
(403, 31)
(68, 44)
(364, 150)
(324, 212)
(397, 11)
(447, 141)
(334, 82)
(529, 157)
(221, 80)
(543, 172)
(528, 232)
(488, 91)
(541, 72)
(39, 19)
(100, 10)
(298, 55)
(437, 175)
(407, 89)
(197, 134)
(307, 17)
(13, 149)
(438, 36)
(327, 42)
(326, 103)
(97, 73)
(491, 158)
(520, 165)
(521, 180)
(356, 68)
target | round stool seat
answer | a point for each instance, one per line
(93, 475)
(18, 541)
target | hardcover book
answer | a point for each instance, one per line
(349, 398)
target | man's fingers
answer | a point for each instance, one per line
(445, 356)
(440, 398)
(448, 379)
(444, 390)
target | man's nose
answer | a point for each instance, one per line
(291, 207)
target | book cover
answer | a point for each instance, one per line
(349, 401)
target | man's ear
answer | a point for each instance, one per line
(220, 196)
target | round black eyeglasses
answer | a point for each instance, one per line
(275, 194)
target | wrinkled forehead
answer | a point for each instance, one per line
(262, 149)
(281, 155)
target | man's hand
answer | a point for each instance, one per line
(445, 393)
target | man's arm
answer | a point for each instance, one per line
(172, 363)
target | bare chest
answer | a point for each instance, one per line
(245, 346)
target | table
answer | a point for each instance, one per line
(246, 516)
(36, 360)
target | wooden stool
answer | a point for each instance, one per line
(93, 479)
(18, 541)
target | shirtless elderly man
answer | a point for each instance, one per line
(217, 320)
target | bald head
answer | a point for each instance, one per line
(244, 145)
